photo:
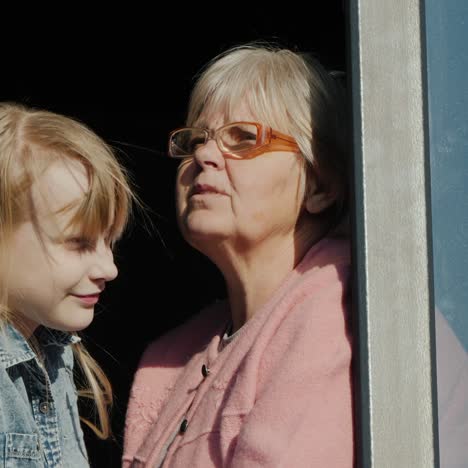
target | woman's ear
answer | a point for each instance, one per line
(317, 199)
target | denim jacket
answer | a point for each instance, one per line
(39, 422)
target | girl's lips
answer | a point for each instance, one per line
(89, 299)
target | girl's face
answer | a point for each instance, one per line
(56, 276)
(241, 201)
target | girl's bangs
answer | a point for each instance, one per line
(104, 209)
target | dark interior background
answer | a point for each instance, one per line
(129, 80)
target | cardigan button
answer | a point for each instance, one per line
(205, 371)
(44, 407)
(183, 426)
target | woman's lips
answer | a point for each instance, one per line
(205, 189)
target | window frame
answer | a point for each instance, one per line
(395, 372)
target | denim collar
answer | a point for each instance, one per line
(14, 348)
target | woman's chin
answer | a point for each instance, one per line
(201, 228)
(202, 237)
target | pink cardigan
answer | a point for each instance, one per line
(279, 395)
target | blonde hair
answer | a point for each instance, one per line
(289, 91)
(30, 141)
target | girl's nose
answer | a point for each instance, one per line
(103, 267)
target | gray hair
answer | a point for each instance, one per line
(289, 91)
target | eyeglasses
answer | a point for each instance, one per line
(240, 140)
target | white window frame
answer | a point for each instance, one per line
(394, 323)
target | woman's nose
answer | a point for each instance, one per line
(209, 155)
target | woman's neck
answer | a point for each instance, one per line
(253, 275)
(254, 281)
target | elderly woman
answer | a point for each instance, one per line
(264, 378)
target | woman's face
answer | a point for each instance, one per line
(241, 201)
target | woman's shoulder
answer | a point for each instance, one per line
(325, 269)
(310, 324)
(178, 344)
(317, 295)
(160, 366)
(329, 251)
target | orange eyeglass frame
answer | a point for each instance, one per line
(271, 140)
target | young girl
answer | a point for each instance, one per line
(64, 201)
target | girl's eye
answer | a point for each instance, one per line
(80, 244)
(110, 242)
